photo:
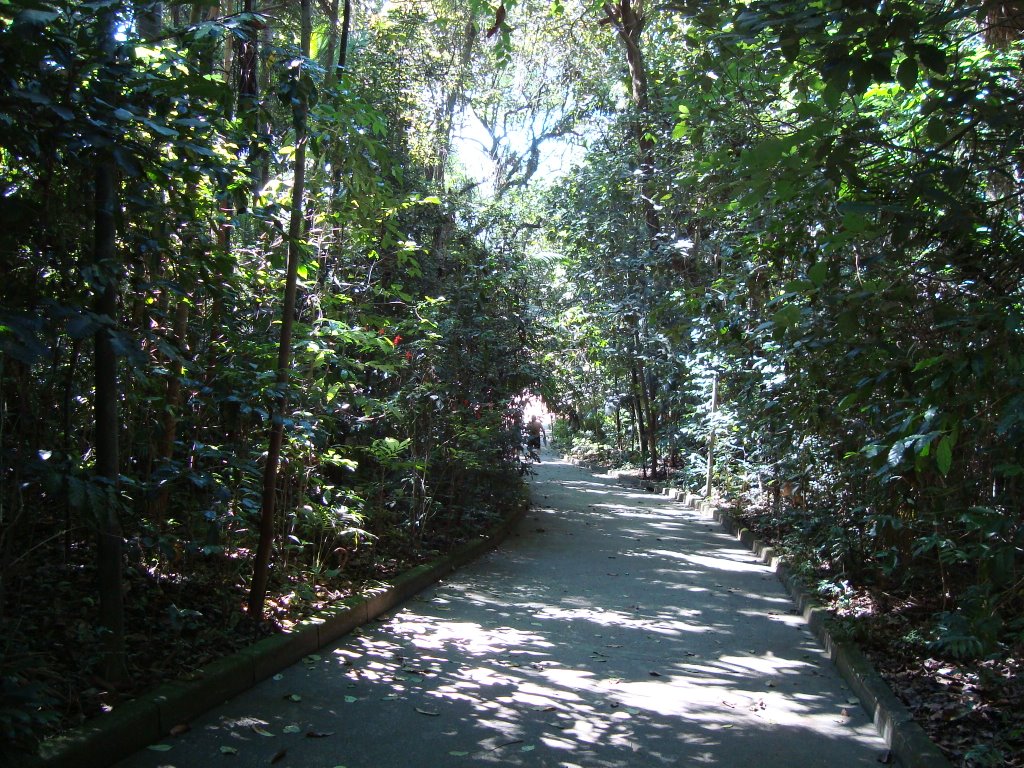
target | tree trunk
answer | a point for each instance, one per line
(172, 404)
(711, 437)
(346, 26)
(334, 69)
(1004, 21)
(108, 462)
(107, 418)
(638, 410)
(629, 20)
(650, 416)
(261, 567)
(653, 420)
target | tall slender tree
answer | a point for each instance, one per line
(300, 115)
(107, 273)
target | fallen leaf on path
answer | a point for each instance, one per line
(351, 699)
(292, 729)
(178, 730)
(654, 674)
(278, 677)
(318, 734)
(225, 750)
(279, 756)
(261, 731)
(428, 712)
(159, 747)
(458, 753)
(293, 697)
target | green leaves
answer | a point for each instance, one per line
(681, 127)
(932, 57)
(906, 73)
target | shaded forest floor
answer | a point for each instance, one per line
(50, 650)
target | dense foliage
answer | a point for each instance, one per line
(220, 221)
(829, 302)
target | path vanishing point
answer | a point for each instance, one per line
(613, 628)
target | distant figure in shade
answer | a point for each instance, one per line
(534, 433)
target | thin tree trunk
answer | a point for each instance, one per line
(653, 420)
(711, 436)
(172, 404)
(261, 567)
(107, 418)
(629, 21)
(66, 437)
(638, 410)
(108, 529)
(334, 69)
(346, 26)
(651, 417)
(646, 405)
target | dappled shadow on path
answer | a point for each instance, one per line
(615, 630)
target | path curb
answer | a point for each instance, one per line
(145, 720)
(907, 740)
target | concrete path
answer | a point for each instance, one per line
(613, 629)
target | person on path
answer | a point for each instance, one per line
(534, 433)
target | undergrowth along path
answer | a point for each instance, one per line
(613, 629)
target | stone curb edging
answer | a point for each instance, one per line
(907, 740)
(145, 720)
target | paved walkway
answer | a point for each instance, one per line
(613, 629)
